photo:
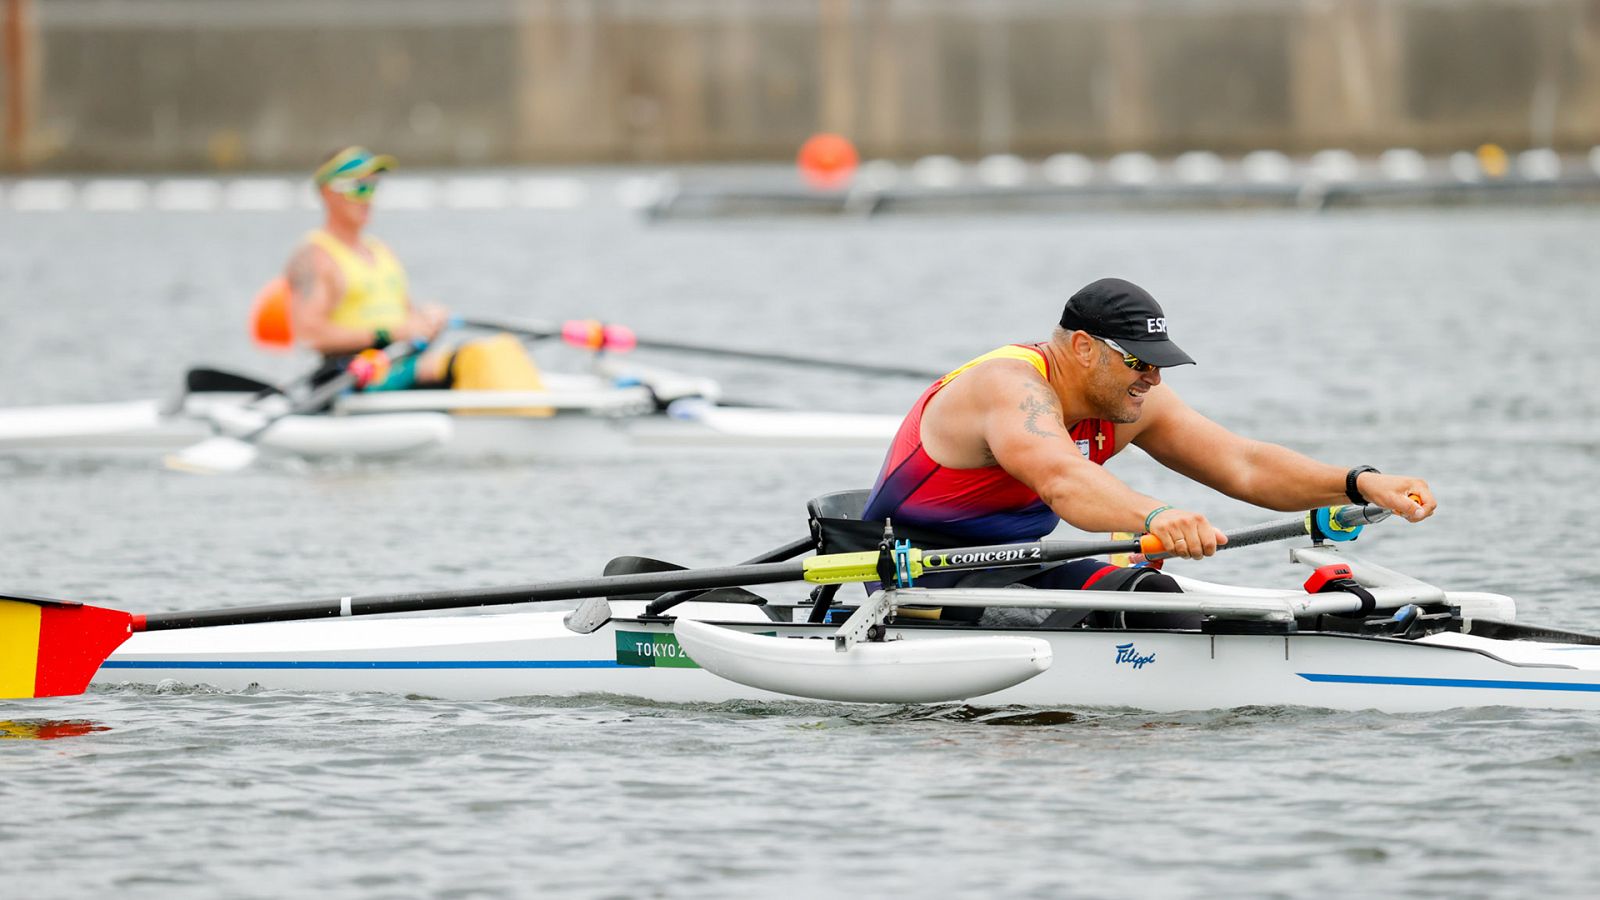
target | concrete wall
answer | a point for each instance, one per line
(187, 84)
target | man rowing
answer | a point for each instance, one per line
(348, 292)
(349, 298)
(1008, 445)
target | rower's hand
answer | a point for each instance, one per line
(430, 319)
(1407, 497)
(1187, 535)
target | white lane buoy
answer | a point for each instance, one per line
(1002, 170)
(1067, 169)
(1198, 167)
(1267, 167)
(937, 171)
(1402, 164)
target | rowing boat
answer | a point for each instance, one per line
(1355, 635)
(590, 414)
(1397, 644)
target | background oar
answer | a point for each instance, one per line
(629, 565)
(202, 380)
(70, 640)
(225, 453)
(596, 336)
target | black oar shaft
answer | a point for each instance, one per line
(574, 589)
(324, 393)
(790, 359)
(541, 330)
(834, 568)
(787, 551)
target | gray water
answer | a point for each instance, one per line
(1455, 345)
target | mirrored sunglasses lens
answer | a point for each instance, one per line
(355, 189)
(1128, 359)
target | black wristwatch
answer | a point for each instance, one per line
(1350, 483)
(380, 338)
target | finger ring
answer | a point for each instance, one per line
(1180, 540)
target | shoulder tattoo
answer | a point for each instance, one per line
(1041, 412)
(302, 273)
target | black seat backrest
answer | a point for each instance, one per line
(838, 505)
(836, 524)
(837, 527)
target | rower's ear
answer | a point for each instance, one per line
(1081, 347)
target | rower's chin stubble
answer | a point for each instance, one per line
(1116, 405)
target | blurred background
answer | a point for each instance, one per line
(224, 85)
(1372, 222)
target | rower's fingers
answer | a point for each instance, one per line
(1199, 538)
(1189, 543)
(1423, 497)
(1415, 502)
(1184, 534)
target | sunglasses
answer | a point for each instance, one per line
(359, 189)
(1128, 359)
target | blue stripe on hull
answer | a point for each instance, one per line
(374, 664)
(1451, 682)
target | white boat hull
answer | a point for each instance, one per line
(590, 418)
(519, 654)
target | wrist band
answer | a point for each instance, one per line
(381, 338)
(1153, 513)
(1350, 483)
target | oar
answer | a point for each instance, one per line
(224, 453)
(202, 380)
(596, 611)
(593, 335)
(53, 647)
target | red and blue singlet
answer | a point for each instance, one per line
(983, 505)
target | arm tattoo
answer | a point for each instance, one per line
(302, 275)
(1041, 410)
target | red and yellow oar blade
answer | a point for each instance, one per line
(51, 648)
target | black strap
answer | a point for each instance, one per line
(1345, 585)
(1350, 483)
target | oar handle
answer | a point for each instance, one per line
(1346, 517)
(324, 393)
(1041, 552)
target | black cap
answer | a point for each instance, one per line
(1125, 313)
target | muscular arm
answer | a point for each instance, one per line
(314, 286)
(1003, 412)
(1257, 472)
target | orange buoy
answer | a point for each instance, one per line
(827, 160)
(269, 317)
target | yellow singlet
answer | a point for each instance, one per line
(374, 292)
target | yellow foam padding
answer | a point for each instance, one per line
(19, 648)
(844, 568)
(1122, 560)
(918, 612)
(498, 363)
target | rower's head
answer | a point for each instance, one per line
(347, 179)
(1116, 333)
